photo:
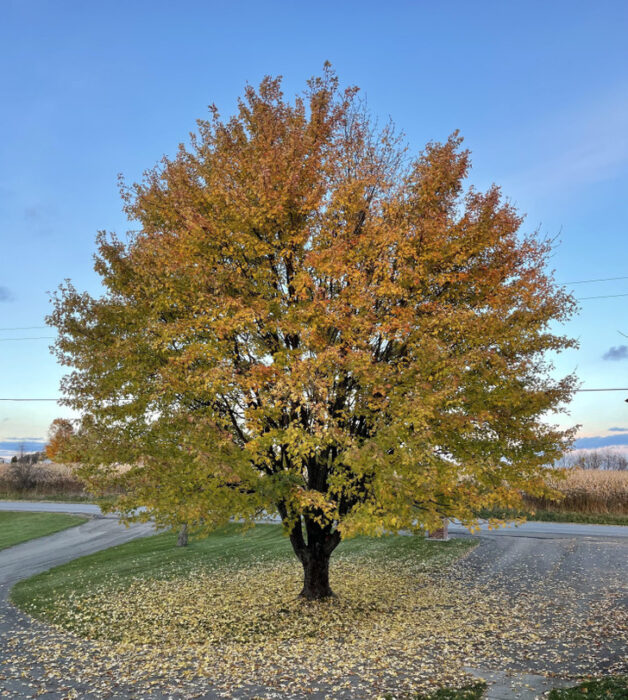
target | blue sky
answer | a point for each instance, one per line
(88, 90)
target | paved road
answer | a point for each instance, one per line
(529, 529)
(48, 507)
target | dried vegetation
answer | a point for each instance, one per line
(587, 491)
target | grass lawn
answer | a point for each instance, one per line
(157, 558)
(469, 692)
(21, 527)
(612, 688)
(226, 608)
(553, 516)
(225, 611)
(53, 497)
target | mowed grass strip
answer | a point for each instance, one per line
(611, 688)
(555, 516)
(469, 692)
(157, 557)
(16, 528)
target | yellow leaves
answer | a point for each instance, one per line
(319, 506)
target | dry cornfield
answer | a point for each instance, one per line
(588, 491)
(40, 480)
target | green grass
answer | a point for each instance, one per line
(16, 528)
(612, 688)
(54, 497)
(157, 556)
(552, 516)
(468, 692)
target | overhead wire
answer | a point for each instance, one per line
(602, 296)
(575, 391)
(601, 279)
(40, 337)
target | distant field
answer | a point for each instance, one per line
(588, 491)
(16, 528)
(41, 481)
(597, 496)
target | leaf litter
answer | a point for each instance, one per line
(393, 628)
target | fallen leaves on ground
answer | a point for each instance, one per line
(242, 632)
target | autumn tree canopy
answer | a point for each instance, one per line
(60, 434)
(307, 321)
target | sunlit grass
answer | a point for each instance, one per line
(16, 528)
(612, 688)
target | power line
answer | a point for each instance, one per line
(30, 399)
(24, 328)
(614, 389)
(40, 337)
(603, 296)
(603, 279)
(577, 390)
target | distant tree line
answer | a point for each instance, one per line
(28, 457)
(601, 458)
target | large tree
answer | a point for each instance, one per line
(309, 322)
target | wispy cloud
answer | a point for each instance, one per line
(616, 353)
(39, 218)
(25, 439)
(583, 145)
(618, 430)
(5, 294)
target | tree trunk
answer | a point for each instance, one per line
(316, 574)
(182, 540)
(314, 553)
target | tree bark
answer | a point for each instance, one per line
(313, 554)
(315, 575)
(182, 539)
